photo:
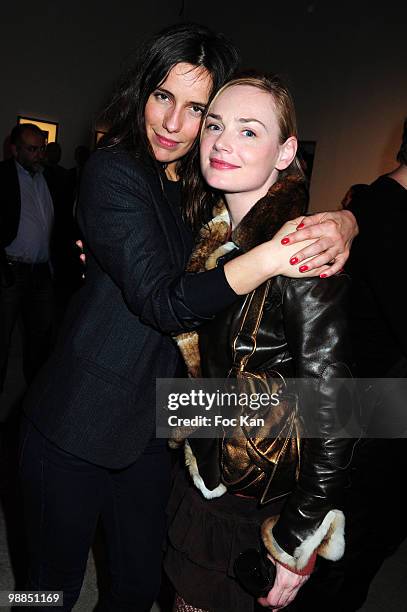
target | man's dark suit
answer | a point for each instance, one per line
(23, 289)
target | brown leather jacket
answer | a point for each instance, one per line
(303, 334)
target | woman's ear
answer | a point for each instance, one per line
(287, 153)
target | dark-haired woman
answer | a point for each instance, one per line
(88, 448)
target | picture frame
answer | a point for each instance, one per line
(49, 128)
(98, 136)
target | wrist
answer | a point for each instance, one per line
(266, 263)
(351, 219)
(305, 571)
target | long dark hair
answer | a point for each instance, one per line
(182, 43)
(201, 199)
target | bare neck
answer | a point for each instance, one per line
(238, 205)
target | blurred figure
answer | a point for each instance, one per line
(53, 154)
(355, 191)
(55, 174)
(81, 155)
(379, 336)
(375, 513)
(66, 269)
(379, 325)
(26, 225)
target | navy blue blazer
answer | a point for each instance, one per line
(95, 397)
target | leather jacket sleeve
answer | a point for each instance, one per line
(315, 321)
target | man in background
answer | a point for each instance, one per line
(26, 225)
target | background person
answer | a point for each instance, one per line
(376, 521)
(26, 226)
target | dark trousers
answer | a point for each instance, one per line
(65, 496)
(31, 295)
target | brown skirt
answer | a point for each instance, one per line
(204, 539)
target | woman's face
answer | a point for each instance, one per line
(240, 144)
(174, 110)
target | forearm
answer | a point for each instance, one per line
(250, 270)
(129, 241)
(272, 258)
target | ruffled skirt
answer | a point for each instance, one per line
(204, 539)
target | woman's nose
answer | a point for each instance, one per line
(172, 120)
(223, 142)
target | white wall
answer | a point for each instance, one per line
(345, 62)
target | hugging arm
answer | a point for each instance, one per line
(121, 224)
(126, 234)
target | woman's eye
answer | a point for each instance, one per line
(197, 110)
(161, 96)
(213, 127)
(249, 133)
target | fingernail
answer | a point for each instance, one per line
(300, 226)
(303, 268)
(285, 241)
(322, 276)
(293, 260)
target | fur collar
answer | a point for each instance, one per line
(285, 200)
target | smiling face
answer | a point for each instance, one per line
(241, 152)
(174, 110)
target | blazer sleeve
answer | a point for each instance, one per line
(311, 522)
(118, 218)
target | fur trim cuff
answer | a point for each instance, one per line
(327, 540)
(192, 465)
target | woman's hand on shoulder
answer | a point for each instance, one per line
(279, 257)
(331, 234)
(285, 588)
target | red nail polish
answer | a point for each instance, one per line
(285, 241)
(322, 276)
(293, 260)
(300, 226)
(303, 268)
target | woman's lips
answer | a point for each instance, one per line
(221, 165)
(166, 142)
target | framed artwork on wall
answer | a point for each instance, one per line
(50, 128)
(306, 154)
(98, 136)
